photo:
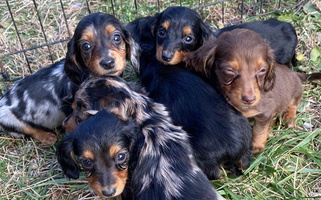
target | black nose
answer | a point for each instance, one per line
(167, 56)
(109, 193)
(248, 99)
(107, 63)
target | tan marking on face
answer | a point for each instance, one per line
(159, 50)
(93, 63)
(89, 155)
(121, 178)
(110, 29)
(88, 34)
(119, 56)
(187, 30)
(166, 25)
(179, 56)
(113, 150)
(260, 63)
(93, 182)
(235, 65)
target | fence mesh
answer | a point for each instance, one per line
(34, 33)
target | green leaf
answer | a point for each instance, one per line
(309, 8)
(315, 53)
(285, 18)
(300, 57)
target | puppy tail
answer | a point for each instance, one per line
(309, 77)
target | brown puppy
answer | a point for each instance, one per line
(241, 64)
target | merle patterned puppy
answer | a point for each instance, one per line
(140, 145)
(38, 104)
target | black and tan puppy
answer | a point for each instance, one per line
(281, 37)
(139, 144)
(99, 46)
(220, 135)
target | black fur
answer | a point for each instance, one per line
(154, 145)
(220, 136)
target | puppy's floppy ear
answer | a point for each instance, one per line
(72, 66)
(154, 22)
(66, 157)
(269, 79)
(123, 106)
(133, 53)
(202, 60)
(207, 33)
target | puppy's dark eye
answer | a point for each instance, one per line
(87, 164)
(188, 39)
(121, 157)
(161, 32)
(117, 38)
(121, 160)
(86, 46)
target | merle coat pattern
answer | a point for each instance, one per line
(154, 172)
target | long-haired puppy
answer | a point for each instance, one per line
(281, 37)
(173, 33)
(38, 104)
(242, 65)
(138, 143)
(99, 46)
(219, 134)
(216, 147)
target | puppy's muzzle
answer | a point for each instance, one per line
(167, 56)
(109, 192)
(107, 63)
(248, 99)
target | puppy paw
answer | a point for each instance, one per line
(257, 148)
(49, 139)
(291, 124)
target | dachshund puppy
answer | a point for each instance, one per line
(38, 104)
(281, 37)
(178, 30)
(99, 46)
(242, 64)
(174, 33)
(115, 95)
(220, 135)
(135, 150)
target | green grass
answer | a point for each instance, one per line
(290, 166)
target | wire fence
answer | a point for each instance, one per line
(34, 33)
